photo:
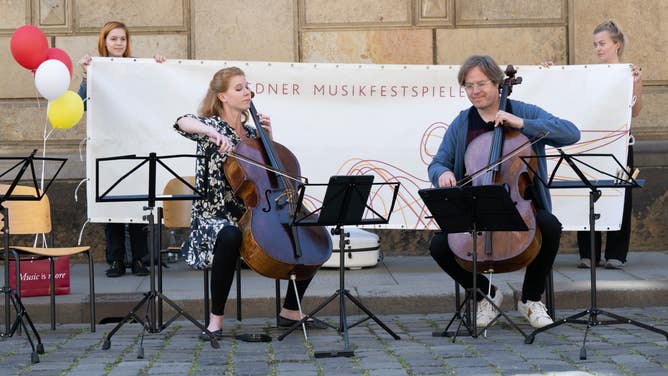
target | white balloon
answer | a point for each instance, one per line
(52, 79)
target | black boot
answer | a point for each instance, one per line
(138, 268)
(117, 269)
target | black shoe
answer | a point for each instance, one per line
(117, 269)
(253, 337)
(312, 323)
(218, 334)
(138, 268)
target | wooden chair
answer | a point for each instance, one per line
(34, 217)
(176, 214)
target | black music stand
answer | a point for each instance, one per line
(11, 296)
(626, 180)
(152, 323)
(344, 204)
(473, 209)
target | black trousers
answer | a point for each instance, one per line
(617, 242)
(115, 241)
(535, 276)
(226, 254)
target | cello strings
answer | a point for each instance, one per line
(298, 179)
(469, 179)
(289, 191)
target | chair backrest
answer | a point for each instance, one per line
(27, 217)
(177, 213)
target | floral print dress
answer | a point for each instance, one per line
(221, 207)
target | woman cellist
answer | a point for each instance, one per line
(481, 78)
(215, 238)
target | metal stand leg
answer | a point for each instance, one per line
(593, 312)
(12, 299)
(463, 319)
(471, 323)
(152, 298)
(341, 294)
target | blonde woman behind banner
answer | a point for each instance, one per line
(609, 45)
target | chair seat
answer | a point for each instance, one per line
(52, 252)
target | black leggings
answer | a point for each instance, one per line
(223, 267)
(617, 242)
(536, 273)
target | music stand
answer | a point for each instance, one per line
(153, 298)
(11, 296)
(344, 204)
(473, 209)
(626, 180)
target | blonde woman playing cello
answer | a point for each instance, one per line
(215, 238)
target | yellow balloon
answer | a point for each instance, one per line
(66, 111)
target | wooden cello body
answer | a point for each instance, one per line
(270, 245)
(501, 251)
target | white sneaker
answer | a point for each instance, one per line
(615, 264)
(584, 263)
(535, 313)
(486, 312)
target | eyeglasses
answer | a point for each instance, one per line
(470, 85)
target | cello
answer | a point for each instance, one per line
(501, 251)
(271, 245)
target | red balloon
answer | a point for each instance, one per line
(58, 54)
(29, 46)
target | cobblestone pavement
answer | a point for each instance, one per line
(611, 350)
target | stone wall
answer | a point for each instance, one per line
(348, 31)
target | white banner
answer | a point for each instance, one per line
(343, 119)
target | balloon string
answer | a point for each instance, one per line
(76, 190)
(81, 144)
(81, 232)
(45, 136)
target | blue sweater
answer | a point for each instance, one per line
(450, 155)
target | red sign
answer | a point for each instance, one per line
(35, 276)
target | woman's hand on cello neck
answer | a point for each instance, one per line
(265, 122)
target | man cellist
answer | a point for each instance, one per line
(481, 78)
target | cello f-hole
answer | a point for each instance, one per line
(266, 195)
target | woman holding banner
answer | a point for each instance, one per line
(215, 238)
(609, 44)
(114, 41)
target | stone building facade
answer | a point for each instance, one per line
(348, 31)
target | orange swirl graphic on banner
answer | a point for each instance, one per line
(409, 206)
(408, 202)
(592, 141)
